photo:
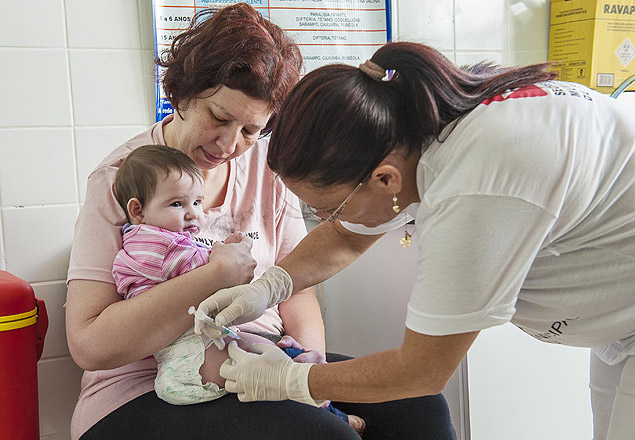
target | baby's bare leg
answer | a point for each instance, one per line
(214, 357)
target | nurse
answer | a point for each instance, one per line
(522, 189)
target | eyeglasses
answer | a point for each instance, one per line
(331, 218)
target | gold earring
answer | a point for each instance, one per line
(395, 207)
(406, 240)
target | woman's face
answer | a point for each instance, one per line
(218, 126)
(371, 206)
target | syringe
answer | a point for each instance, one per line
(209, 321)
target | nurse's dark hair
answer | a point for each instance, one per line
(235, 47)
(338, 123)
(140, 171)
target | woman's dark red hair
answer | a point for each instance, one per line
(233, 47)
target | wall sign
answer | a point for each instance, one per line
(327, 31)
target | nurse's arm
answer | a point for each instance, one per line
(325, 251)
(421, 366)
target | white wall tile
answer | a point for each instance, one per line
(527, 57)
(528, 24)
(430, 22)
(37, 23)
(58, 388)
(94, 143)
(480, 25)
(35, 88)
(27, 176)
(54, 296)
(113, 24)
(108, 87)
(38, 241)
(469, 58)
(450, 55)
(146, 25)
(149, 76)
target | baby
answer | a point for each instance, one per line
(161, 191)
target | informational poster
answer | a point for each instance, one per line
(327, 31)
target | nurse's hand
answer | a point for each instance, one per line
(266, 373)
(247, 302)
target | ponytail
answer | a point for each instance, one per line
(340, 122)
(438, 92)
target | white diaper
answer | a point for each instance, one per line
(178, 381)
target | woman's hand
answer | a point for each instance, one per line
(310, 357)
(234, 258)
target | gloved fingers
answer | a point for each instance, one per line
(237, 354)
(198, 326)
(269, 351)
(219, 343)
(229, 372)
(206, 307)
(232, 386)
(219, 302)
(288, 342)
(230, 314)
(210, 332)
(244, 397)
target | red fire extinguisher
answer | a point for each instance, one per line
(23, 324)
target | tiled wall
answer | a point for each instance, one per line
(77, 80)
(468, 31)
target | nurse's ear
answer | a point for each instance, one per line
(396, 176)
(388, 176)
(135, 211)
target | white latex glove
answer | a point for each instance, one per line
(247, 302)
(266, 374)
(215, 336)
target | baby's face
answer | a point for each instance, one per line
(176, 204)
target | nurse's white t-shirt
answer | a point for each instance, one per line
(527, 215)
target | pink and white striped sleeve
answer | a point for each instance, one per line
(151, 256)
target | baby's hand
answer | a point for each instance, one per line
(236, 237)
(311, 356)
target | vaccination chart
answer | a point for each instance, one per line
(327, 31)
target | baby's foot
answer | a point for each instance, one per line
(357, 423)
